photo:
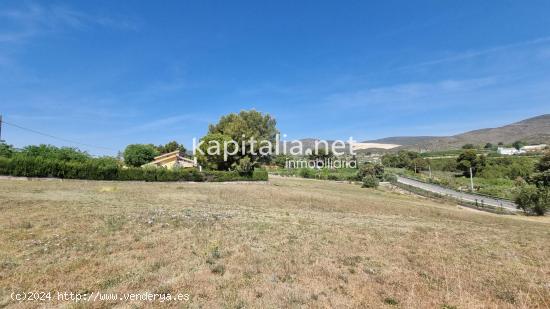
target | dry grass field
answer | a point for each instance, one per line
(287, 243)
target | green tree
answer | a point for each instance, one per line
(322, 154)
(544, 163)
(280, 160)
(534, 197)
(533, 200)
(488, 146)
(541, 177)
(55, 153)
(213, 154)
(6, 150)
(469, 159)
(371, 169)
(138, 154)
(171, 146)
(469, 146)
(418, 164)
(518, 144)
(251, 129)
(390, 160)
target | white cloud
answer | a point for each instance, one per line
(478, 53)
(25, 22)
(408, 94)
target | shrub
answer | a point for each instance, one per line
(370, 169)
(6, 150)
(51, 152)
(244, 167)
(259, 175)
(389, 177)
(533, 200)
(97, 169)
(306, 173)
(370, 181)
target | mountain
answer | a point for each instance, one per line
(533, 130)
(403, 140)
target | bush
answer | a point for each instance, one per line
(533, 200)
(370, 181)
(6, 150)
(101, 169)
(306, 173)
(51, 152)
(389, 177)
(244, 167)
(259, 175)
(370, 169)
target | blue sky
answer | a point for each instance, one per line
(111, 73)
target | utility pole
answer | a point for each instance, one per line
(1, 140)
(471, 181)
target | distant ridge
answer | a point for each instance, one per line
(532, 130)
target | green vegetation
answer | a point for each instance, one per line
(533, 196)
(70, 163)
(138, 154)
(494, 175)
(170, 147)
(518, 144)
(26, 166)
(470, 163)
(238, 130)
(369, 174)
(6, 150)
(370, 181)
(54, 153)
(406, 159)
(342, 174)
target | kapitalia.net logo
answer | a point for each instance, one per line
(322, 154)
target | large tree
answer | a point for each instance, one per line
(470, 159)
(250, 130)
(170, 146)
(534, 197)
(139, 154)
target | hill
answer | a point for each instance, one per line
(533, 130)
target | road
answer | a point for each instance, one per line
(468, 197)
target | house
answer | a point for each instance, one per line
(509, 151)
(171, 160)
(534, 148)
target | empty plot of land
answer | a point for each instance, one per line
(287, 243)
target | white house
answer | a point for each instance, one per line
(509, 151)
(534, 148)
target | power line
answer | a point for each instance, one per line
(57, 138)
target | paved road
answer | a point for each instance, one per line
(508, 205)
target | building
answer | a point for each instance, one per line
(509, 151)
(534, 148)
(171, 160)
(525, 149)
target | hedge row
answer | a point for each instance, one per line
(93, 170)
